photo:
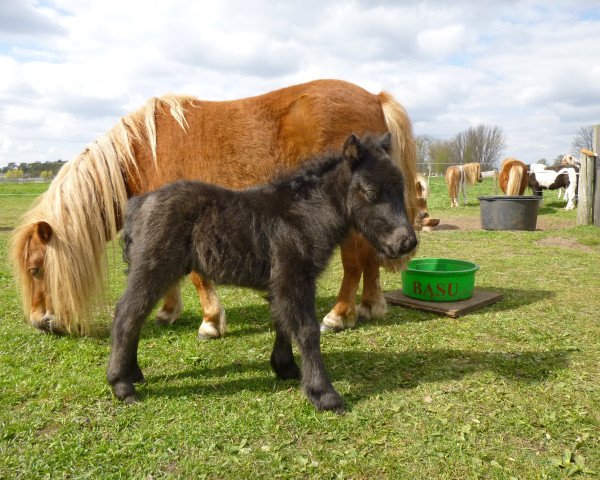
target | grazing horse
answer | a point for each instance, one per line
(276, 237)
(458, 177)
(59, 250)
(542, 177)
(513, 176)
(425, 222)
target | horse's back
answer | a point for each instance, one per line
(238, 143)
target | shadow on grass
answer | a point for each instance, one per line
(256, 318)
(368, 373)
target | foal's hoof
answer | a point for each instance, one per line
(328, 401)
(286, 372)
(125, 391)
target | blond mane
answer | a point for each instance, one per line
(404, 154)
(83, 205)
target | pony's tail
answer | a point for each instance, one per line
(515, 180)
(452, 181)
(404, 154)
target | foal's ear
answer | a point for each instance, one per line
(386, 142)
(44, 231)
(352, 149)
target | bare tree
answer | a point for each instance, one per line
(423, 143)
(482, 144)
(583, 139)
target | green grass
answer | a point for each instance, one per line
(509, 391)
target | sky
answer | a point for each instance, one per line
(69, 69)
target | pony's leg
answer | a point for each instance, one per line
(343, 313)
(373, 304)
(171, 307)
(293, 310)
(213, 314)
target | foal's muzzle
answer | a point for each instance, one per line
(399, 243)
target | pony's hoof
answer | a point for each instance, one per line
(336, 323)
(370, 311)
(165, 318)
(208, 331)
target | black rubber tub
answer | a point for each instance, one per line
(509, 212)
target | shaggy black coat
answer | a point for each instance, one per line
(276, 237)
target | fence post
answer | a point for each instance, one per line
(596, 200)
(585, 202)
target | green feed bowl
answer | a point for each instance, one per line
(439, 279)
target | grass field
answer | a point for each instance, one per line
(509, 391)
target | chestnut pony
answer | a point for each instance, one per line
(59, 249)
(458, 177)
(513, 176)
(424, 220)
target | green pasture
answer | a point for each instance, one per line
(511, 391)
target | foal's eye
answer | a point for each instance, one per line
(371, 195)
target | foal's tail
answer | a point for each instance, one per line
(404, 154)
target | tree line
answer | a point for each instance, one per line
(483, 144)
(45, 170)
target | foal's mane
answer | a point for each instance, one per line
(83, 205)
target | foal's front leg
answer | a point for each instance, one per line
(143, 290)
(294, 313)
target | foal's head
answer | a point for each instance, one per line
(376, 196)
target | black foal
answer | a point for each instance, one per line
(276, 237)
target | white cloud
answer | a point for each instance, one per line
(71, 68)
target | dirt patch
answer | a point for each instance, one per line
(474, 223)
(564, 242)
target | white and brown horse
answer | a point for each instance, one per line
(59, 250)
(458, 177)
(513, 176)
(542, 177)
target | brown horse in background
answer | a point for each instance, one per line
(513, 176)
(59, 250)
(458, 177)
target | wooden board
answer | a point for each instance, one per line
(480, 299)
